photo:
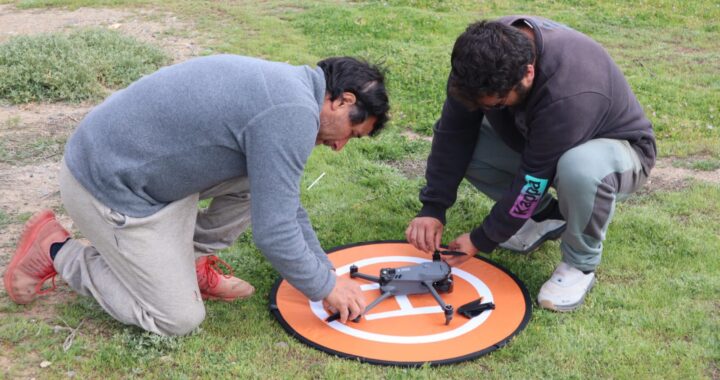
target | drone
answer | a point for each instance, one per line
(430, 277)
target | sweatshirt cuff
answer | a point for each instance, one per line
(326, 288)
(481, 241)
(433, 211)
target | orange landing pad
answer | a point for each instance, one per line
(408, 330)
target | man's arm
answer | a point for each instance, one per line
(311, 237)
(454, 138)
(277, 145)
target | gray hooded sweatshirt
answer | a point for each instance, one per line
(193, 125)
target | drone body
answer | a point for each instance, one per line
(430, 277)
(412, 279)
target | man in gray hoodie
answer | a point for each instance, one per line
(233, 129)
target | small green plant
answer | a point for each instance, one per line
(706, 165)
(74, 67)
(5, 219)
(12, 122)
(14, 152)
(145, 345)
(709, 164)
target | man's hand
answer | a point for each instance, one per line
(425, 233)
(346, 298)
(463, 244)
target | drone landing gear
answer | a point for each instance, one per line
(447, 309)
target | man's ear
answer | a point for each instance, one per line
(348, 98)
(529, 75)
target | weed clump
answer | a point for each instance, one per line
(74, 67)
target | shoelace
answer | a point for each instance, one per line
(38, 288)
(213, 270)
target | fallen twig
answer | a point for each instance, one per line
(71, 338)
(316, 181)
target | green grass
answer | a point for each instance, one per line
(17, 152)
(5, 219)
(698, 164)
(80, 66)
(655, 311)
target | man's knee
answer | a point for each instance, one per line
(476, 175)
(184, 322)
(573, 172)
(488, 180)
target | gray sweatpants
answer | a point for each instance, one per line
(142, 270)
(589, 179)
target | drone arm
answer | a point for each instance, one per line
(355, 274)
(336, 316)
(373, 304)
(365, 277)
(447, 309)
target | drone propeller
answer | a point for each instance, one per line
(451, 253)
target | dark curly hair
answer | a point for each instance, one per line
(365, 81)
(488, 59)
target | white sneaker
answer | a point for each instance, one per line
(532, 234)
(566, 289)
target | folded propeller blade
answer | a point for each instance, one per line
(452, 253)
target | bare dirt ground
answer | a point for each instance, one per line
(177, 37)
(30, 184)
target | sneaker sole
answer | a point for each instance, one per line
(567, 308)
(552, 235)
(213, 298)
(32, 227)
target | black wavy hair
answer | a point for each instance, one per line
(365, 81)
(488, 59)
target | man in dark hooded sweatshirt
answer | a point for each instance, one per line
(533, 104)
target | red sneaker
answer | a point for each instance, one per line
(31, 264)
(216, 285)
